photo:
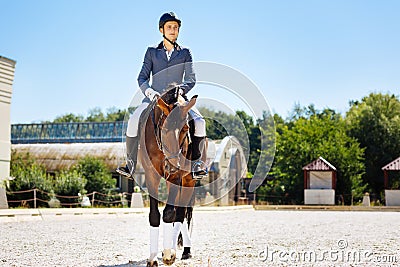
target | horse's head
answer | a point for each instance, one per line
(174, 127)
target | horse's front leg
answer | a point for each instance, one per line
(152, 183)
(154, 219)
(169, 214)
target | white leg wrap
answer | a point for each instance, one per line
(187, 242)
(167, 239)
(133, 122)
(153, 243)
(175, 234)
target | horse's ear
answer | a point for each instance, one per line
(163, 106)
(190, 104)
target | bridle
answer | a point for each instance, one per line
(160, 131)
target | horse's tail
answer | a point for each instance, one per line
(189, 219)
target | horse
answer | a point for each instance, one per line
(165, 151)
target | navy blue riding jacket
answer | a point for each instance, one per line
(179, 69)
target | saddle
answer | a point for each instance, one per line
(143, 117)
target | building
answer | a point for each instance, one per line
(392, 192)
(319, 182)
(7, 68)
(228, 168)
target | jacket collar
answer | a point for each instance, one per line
(176, 51)
(161, 46)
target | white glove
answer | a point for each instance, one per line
(181, 92)
(151, 94)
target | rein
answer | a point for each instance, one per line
(157, 129)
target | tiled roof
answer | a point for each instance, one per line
(392, 166)
(319, 164)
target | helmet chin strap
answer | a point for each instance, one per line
(171, 42)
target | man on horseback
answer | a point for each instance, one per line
(166, 63)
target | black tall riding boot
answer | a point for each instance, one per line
(132, 144)
(198, 147)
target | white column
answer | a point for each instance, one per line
(7, 67)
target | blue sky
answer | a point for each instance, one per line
(73, 56)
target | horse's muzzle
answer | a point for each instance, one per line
(171, 168)
(171, 163)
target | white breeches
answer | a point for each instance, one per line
(133, 122)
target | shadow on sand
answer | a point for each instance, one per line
(141, 263)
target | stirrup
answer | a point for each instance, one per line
(124, 171)
(198, 172)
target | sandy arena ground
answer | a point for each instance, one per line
(241, 237)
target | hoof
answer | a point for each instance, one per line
(186, 256)
(168, 256)
(152, 264)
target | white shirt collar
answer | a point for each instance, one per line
(169, 53)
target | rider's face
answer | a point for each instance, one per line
(171, 30)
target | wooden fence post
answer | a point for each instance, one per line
(34, 198)
(94, 193)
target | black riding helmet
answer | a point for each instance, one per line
(170, 16)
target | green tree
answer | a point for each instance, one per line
(240, 125)
(262, 146)
(114, 114)
(375, 123)
(313, 134)
(252, 138)
(70, 117)
(95, 115)
(214, 126)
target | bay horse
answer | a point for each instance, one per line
(165, 151)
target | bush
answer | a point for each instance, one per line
(95, 172)
(89, 175)
(273, 193)
(28, 175)
(69, 183)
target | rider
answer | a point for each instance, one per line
(172, 64)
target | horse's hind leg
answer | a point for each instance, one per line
(186, 225)
(181, 235)
(180, 217)
(154, 219)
